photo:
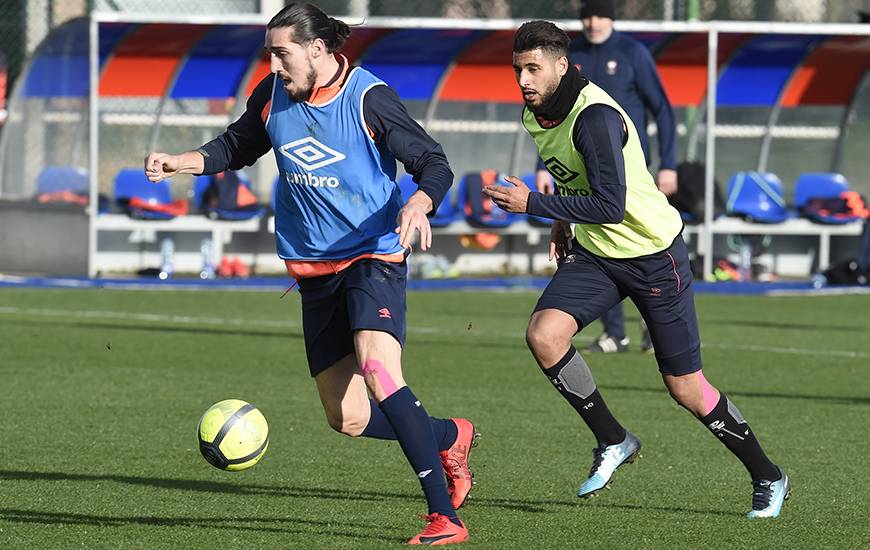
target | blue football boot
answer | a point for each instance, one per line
(768, 496)
(606, 459)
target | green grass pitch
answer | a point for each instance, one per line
(102, 390)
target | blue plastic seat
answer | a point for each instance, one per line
(132, 182)
(822, 185)
(55, 179)
(202, 183)
(444, 215)
(756, 197)
(529, 180)
(494, 218)
(818, 185)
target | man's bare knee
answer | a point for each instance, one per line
(688, 397)
(349, 425)
(681, 393)
(545, 344)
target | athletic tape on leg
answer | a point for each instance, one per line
(710, 396)
(376, 369)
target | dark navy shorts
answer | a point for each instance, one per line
(660, 285)
(368, 295)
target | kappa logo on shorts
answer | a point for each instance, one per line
(384, 313)
(310, 154)
(655, 291)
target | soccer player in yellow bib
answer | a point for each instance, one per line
(614, 236)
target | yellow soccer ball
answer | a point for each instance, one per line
(233, 435)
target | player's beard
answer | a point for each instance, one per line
(545, 97)
(304, 93)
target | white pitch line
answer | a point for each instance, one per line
(790, 351)
(223, 321)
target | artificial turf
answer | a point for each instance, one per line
(103, 390)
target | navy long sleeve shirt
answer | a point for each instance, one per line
(246, 139)
(599, 136)
(624, 68)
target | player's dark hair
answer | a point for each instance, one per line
(533, 35)
(308, 23)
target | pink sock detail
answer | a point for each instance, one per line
(375, 368)
(710, 395)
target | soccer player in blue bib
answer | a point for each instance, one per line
(615, 236)
(343, 231)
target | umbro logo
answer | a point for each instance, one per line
(557, 168)
(310, 154)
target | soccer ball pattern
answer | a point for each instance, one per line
(233, 435)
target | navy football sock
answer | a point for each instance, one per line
(379, 428)
(414, 430)
(727, 423)
(573, 379)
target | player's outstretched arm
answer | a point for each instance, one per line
(159, 166)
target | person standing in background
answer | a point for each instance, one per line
(624, 68)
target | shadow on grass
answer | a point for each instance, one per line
(286, 525)
(836, 399)
(173, 329)
(324, 493)
(671, 509)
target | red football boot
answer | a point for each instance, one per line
(440, 530)
(455, 462)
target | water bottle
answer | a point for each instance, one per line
(745, 261)
(167, 252)
(206, 251)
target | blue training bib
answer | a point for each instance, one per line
(336, 196)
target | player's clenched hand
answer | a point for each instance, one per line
(412, 217)
(512, 198)
(159, 166)
(560, 240)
